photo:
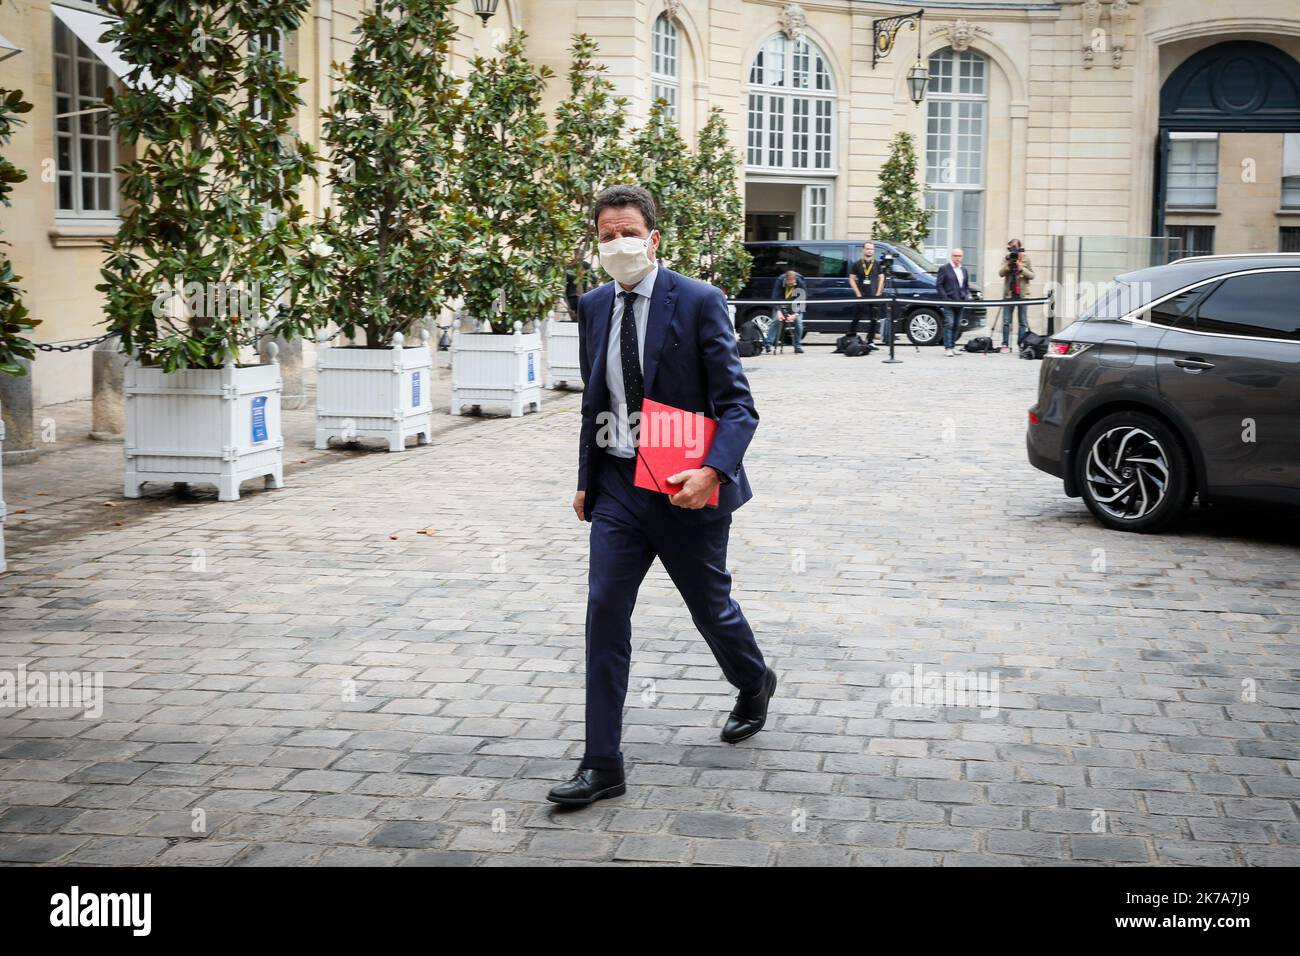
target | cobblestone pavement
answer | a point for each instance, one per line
(305, 677)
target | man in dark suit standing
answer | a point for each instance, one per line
(655, 333)
(953, 283)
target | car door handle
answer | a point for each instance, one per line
(1193, 364)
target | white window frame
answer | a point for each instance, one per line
(1290, 171)
(815, 217)
(665, 64)
(794, 120)
(1202, 169)
(965, 101)
(76, 137)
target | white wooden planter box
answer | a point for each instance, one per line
(374, 393)
(204, 426)
(500, 370)
(3, 566)
(562, 365)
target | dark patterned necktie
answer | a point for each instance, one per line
(633, 383)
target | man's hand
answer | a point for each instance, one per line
(697, 486)
(580, 505)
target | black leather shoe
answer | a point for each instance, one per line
(588, 786)
(750, 713)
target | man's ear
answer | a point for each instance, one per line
(654, 240)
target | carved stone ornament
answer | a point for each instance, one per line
(961, 34)
(793, 21)
(672, 8)
(1119, 14)
(1093, 37)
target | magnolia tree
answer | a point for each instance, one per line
(662, 164)
(721, 257)
(701, 214)
(900, 211)
(15, 322)
(509, 205)
(391, 135)
(212, 236)
(589, 149)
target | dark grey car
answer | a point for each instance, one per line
(1182, 380)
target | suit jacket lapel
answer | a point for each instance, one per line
(662, 308)
(604, 308)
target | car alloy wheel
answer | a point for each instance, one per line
(1127, 473)
(923, 328)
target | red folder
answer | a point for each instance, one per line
(671, 441)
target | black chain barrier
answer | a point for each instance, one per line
(75, 347)
(903, 299)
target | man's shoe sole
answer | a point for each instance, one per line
(587, 801)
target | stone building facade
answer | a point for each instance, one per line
(1042, 119)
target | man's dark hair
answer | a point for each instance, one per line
(620, 197)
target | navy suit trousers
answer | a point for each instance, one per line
(630, 527)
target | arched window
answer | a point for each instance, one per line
(791, 116)
(955, 134)
(663, 64)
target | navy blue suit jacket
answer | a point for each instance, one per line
(690, 361)
(946, 282)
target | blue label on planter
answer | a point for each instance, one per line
(415, 389)
(259, 419)
(531, 374)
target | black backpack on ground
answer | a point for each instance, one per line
(981, 343)
(1033, 346)
(751, 339)
(851, 345)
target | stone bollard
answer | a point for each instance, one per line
(108, 404)
(19, 416)
(290, 356)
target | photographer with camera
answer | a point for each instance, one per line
(792, 289)
(1016, 272)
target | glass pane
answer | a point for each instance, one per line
(776, 61)
(822, 142)
(776, 131)
(1259, 305)
(754, 142)
(971, 205)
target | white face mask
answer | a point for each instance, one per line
(627, 259)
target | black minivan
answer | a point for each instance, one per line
(824, 264)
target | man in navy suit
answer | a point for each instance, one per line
(953, 282)
(653, 333)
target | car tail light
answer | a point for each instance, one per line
(1066, 349)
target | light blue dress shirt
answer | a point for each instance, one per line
(622, 446)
